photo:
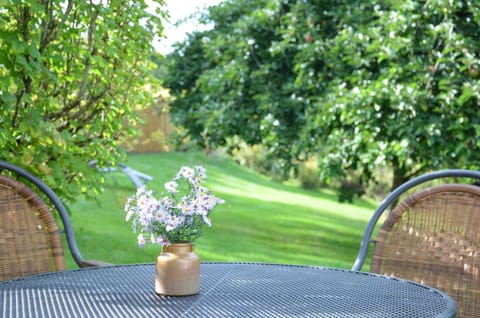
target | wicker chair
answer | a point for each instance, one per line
(30, 238)
(432, 237)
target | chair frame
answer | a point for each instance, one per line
(57, 203)
(394, 196)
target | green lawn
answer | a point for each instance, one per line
(261, 221)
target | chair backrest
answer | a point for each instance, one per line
(30, 238)
(432, 237)
(30, 241)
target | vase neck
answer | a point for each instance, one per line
(186, 247)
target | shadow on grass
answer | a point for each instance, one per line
(261, 220)
(287, 235)
(221, 172)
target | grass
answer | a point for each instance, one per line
(261, 221)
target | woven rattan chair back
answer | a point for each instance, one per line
(433, 237)
(30, 237)
(30, 242)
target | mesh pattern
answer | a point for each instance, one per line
(432, 237)
(29, 239)
(227, 290)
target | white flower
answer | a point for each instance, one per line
(177, 216)
(186, 172)
(141, 240)
(167, 202)
(201, 172)
(185, 208)
(206, 220)
(161, 240)
(171, 187)
(129, 215)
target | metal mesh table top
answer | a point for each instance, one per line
(226, 290)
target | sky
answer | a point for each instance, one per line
(180, 9)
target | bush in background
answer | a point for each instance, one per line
(308, 174)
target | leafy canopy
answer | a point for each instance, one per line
(72, 76)
(359, 83)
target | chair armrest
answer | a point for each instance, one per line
(93, 263)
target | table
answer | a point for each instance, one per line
(227, 290)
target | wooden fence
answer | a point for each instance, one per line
(154, 133)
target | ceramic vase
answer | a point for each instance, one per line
(178, 270)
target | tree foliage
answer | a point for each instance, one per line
(72, 75)
(358, 83)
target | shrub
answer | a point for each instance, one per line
(308, 174)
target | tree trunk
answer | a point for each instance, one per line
(400, 174)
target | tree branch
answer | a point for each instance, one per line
(50, 27)
(92, 50)
(22, 20)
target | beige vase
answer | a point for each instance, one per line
(178, 271)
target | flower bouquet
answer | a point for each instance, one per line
(174, 221)
(176, 217)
